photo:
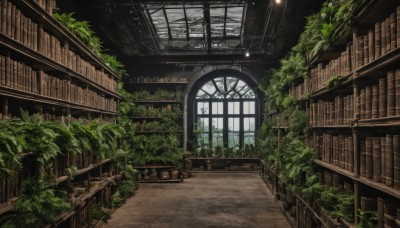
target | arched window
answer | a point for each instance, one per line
(225, 113)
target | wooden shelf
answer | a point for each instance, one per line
(377, 186)
(154, 167)
(146, 118)
(38, 14)
(344, 81)
(389, 59)
(373, 11)
(61, 179)
(7, 207)
(23, 95)
(380, 122)
(336, 169)
(252, 159)
(158, 102)
(224, 171)
(160, 181)
(91, 166)
(48, 64)
(332, 126)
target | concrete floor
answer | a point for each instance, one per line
(205, 200)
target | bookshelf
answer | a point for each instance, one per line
(157, 113)
(354, 107)
(42, 61)
(46, 69)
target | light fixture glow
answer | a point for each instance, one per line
(278, 1)
(247, 54)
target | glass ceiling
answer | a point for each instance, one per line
(225, 87)
(189, 21)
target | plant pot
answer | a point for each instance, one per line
(290, 198)
(174, 174)
(164, 175)
(153, 174)
(209, 168)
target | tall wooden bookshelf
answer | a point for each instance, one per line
(45, 69)
(355, 126)
(355, 121)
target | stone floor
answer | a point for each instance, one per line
(205, 200)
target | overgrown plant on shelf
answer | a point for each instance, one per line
(83, 31)
(38, 205)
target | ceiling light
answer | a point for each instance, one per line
(278, 1)
(247, 54)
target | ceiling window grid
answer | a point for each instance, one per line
(187, 21)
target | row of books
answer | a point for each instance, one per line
(29, 33)
(157, 79)
(333, 179)
(90, 98)
(380, 159)
(335, 149)
(52, 48)
(340, 111)
(382, 98)
(48, 5)
(383, 38)
(9, 188)
(300, 90)
(340, 66)
(20, 76)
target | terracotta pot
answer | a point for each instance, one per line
(164, 175)
(174, 174)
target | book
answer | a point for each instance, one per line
(377, 40)
(383, 83)
(368, 102)
(375, 103)
(376, 154)
(393, 32)
(368, 158)
(396, 161)
(397, 92)
(391, 94)
(389, 160)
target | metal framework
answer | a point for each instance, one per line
(225, 113)
(197, 25)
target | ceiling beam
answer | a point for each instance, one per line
(166, 20)
(208, 24)
(226, 12)
(187, 23)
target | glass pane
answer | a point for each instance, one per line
(220, 84)
(159, 22)
(203, 108)
(202, 95)
(217, 108)
(233, 107)
(202, 124)
(249, 138)
(209, 88)
(233, 140)
(217, 124)
(249, 107)
(249, 94)
(233, 95)
(202, 140)
(217, 139)
(249, 124)
(240, 86)
(177, 22)
(233, 124)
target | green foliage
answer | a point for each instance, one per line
(333, 82)
(368, 219)
(116, 199)
(38, 205)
